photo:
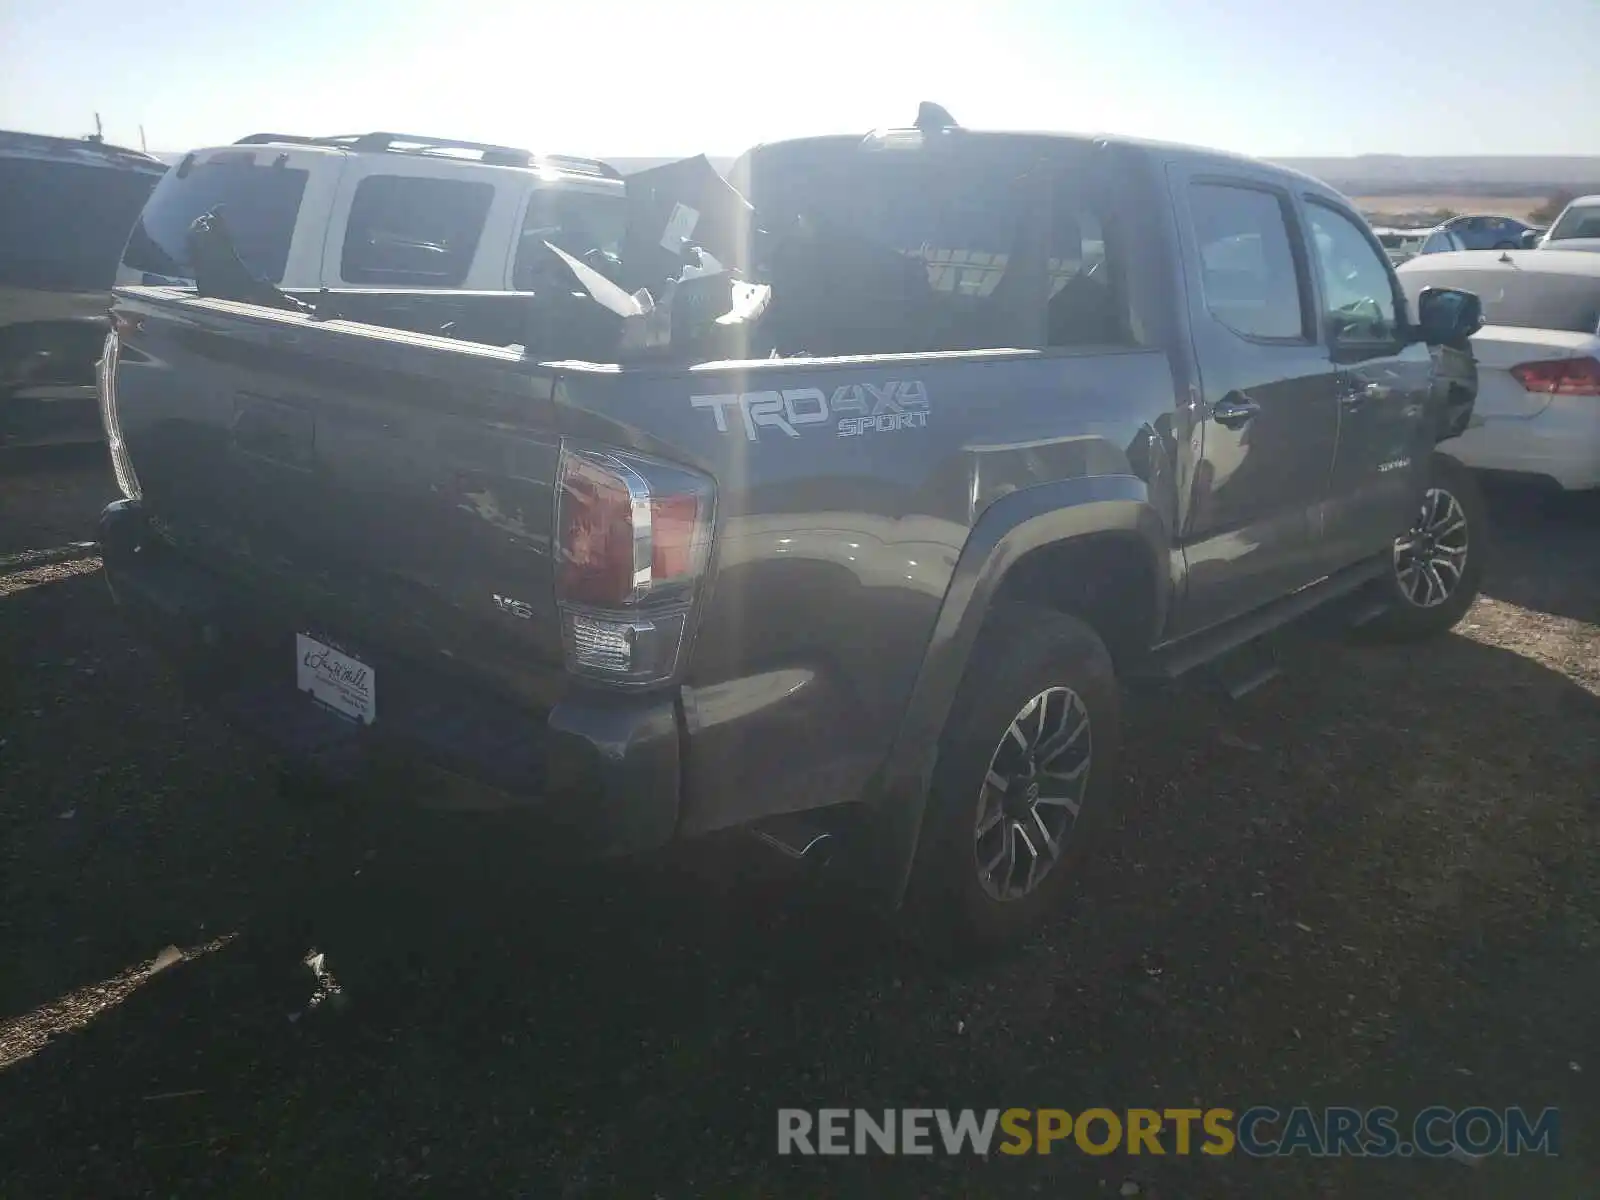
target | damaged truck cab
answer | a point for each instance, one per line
(1018, 417)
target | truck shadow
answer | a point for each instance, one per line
(1336, 883)
(1533, 529)
(51, 495)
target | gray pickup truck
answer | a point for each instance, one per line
(66, 205)
(1026, 416)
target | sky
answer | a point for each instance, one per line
(629, 77)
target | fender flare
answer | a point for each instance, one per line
(1044, 515)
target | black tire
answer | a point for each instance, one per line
(1024, 652)
(1413, 613)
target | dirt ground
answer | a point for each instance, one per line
(1503, 206)
(1373, 882)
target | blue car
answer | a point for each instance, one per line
(1489, 232)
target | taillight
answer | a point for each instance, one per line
(106, 389)
(1560, 376)
(633, 535)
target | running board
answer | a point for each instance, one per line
(1243, 670)
(1181, 657)
(1367, 613)
(794, 837)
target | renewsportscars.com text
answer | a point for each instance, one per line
(1258, 1132)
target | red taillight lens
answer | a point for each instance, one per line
(674, 536)
(632, 539)
(595, 538)
(1560, 376)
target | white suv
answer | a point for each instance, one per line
(379, 210)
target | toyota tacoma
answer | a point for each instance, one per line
(1014, 418)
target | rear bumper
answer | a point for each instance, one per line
(1561, 443)
(604, 768)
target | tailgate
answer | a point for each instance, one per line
(379, 488)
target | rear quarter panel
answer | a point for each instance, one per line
(836, 548)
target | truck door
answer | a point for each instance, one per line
(1268, 420)
(1381, 387)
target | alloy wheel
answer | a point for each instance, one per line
(1032, 793)
(1430, 559)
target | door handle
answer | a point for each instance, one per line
(1234, 410)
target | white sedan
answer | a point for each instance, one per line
(1577, 228)
(1538, 407)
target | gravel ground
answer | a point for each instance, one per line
(1372, 882)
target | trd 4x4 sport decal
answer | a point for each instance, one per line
(855, 409)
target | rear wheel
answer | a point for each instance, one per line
(1436, 567)
(1025, 771)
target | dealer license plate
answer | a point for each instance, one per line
(345, 684)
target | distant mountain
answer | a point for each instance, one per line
(1376, 174)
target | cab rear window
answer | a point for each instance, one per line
(259, 201)
(886, 251)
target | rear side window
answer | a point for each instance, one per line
(63, 224)
(259, 202)
(1247, 269)
(406, 231)
(578, 222)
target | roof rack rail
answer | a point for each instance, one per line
(410, 143)
(263, 139)
(582, 166)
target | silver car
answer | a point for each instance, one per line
(1402, 245)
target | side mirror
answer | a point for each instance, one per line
(1448, 316)
(1530, 238)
